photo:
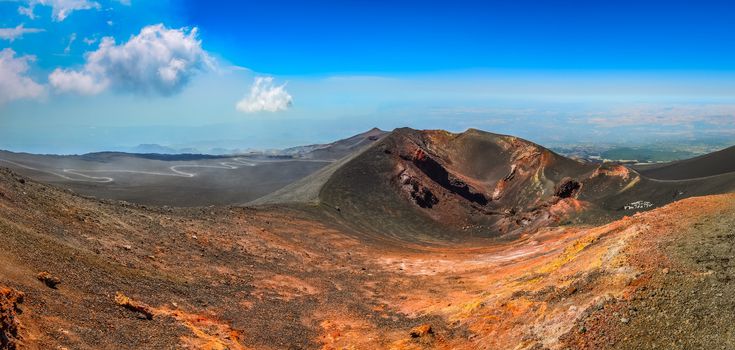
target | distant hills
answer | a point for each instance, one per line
(327, 151)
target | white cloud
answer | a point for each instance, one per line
(72, 38)
(17, 32)
(14, 83)
(75, 81)
(60, 9)
(156, 61)
(27, 11)
(265, 97)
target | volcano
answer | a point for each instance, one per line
(436, 184)
(414, 239)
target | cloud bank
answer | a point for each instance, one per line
(16, 33)
(664, 115)
(14, 83)
(156, 61)
(265, 97)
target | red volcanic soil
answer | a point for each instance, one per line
(280, 277)
(683, 288)
(10, 299)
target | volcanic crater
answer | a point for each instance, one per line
(416, 239)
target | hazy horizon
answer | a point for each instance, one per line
(87, 76)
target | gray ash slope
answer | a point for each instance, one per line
(338, 149)
(713, 164)
(184, 179)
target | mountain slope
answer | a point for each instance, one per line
(181, 179)
(712, 164)
(338, 149)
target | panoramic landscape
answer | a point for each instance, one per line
(318, 175)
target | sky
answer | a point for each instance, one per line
(79, 76)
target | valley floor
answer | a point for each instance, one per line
(279, 277)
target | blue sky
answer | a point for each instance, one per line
(419, 36)
(88, 75)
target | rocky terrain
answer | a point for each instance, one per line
(422, 240)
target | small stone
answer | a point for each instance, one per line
(48, 279)
(122, 300)
(624, 320)
(421, 331)
(665, 271)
